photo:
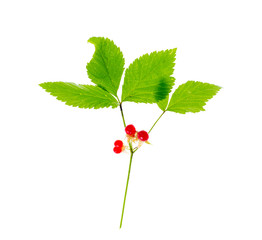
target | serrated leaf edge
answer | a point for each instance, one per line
(205, 102)
(73, 105)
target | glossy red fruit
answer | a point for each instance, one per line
(117, 149)
(130, 130)
(143, 135)
(118, 143)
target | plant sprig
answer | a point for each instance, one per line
(147, 80)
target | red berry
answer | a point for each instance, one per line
(130, 130)
(142, 135)
(118, 143)
(117, 149)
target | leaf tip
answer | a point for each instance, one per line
(43, 85)
(92, 40)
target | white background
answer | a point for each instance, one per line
(201, 177)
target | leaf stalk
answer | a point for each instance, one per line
(156, 121)
(122, 114)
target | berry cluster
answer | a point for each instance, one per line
(132, 136)
(119, 146)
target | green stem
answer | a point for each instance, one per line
(131, 157)
(156, 121)
(123, 209)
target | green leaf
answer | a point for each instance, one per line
(191, 97)
(147, 79)
(163, 103)
(82, 96)
(107, 65)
